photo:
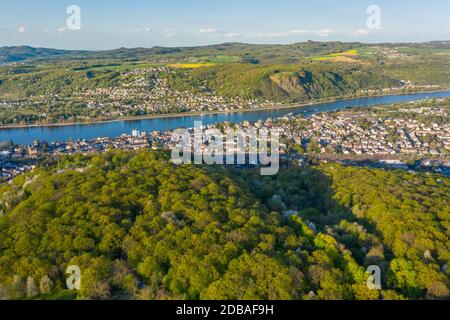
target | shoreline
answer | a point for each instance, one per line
(206, 113)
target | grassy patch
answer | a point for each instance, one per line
(346, 56)
(119, 67)
(224, 59)
(191, 65)
(60, 295)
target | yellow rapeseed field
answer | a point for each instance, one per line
(190, 65)
(346, 56)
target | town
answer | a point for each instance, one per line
(141, 92)
(390, 136)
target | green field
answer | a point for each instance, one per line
(47, 89)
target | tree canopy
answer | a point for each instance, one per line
(140, 227)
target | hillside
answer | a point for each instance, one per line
(263, 52)
(25, 53)
(140, 227)
(287, 83)
(52, 86)
(290, 53)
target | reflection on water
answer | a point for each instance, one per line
(114, 129)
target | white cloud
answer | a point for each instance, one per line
(170, 33)
(362, 32)
(233, 35)
(22, 29)
(275, 34)
(325, 32)
(207, 30)
(218, 33)
(146, 29)
(297, 32)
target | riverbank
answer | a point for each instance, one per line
(214, 112)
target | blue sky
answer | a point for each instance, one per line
(107, 24)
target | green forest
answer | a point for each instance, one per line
(293, 83)
(140, 227)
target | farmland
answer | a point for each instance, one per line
(191, 65)
(346, 56)
(48, 86)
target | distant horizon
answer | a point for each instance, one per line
(104, 25)
(222, 43)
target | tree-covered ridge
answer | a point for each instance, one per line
(261, 53)
(287, 82)
(52, 86)
(411, 216)
(397, 220)
(23, 53)
(140, 227)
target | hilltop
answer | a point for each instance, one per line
(26, 53)
(140, 227)
(263, 52)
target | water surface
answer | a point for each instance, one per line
(115, 129)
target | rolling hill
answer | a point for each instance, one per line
(140, 227)
(25, 53)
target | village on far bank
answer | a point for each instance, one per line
(409, 136)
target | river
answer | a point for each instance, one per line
(116, 128)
